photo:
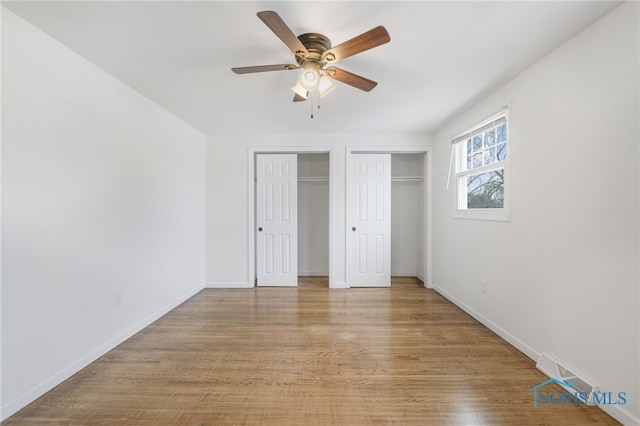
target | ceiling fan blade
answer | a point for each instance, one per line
(280, 28)
(365, 41)
(351, 79)
(263, 68)
(298, 98)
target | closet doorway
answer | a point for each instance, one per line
(313, 215)
(310, 209)
(399, 248)
(408, 215)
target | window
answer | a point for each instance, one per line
(481, 162)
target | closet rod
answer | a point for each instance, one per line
(406, 179)
(313, 178)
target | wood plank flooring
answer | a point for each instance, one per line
(308, 356)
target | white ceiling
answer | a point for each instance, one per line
(443, 56)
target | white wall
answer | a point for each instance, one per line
(103, 212)
(404, 229)
(563, 273)
(227, 247)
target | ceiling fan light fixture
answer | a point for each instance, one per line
(325, 86)
(300, 90)
(310, 76)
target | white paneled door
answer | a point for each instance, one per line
(277, 220)
(369, 221)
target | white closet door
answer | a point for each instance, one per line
(369, 221)
(277, 220)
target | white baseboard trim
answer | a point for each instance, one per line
(46, 385)
(226, 284)
(620, 414)
(339, 284)
(508, 337)
(615, 411)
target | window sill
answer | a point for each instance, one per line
(500, 215)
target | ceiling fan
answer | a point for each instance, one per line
(313, 52)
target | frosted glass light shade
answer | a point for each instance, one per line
(310, 76)
(325, 86)
(300, 90)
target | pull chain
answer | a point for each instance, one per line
(311, 99)
(311, 108)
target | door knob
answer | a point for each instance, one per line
(353, 229)
(260, 229)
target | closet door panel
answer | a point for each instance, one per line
(369, 215)
(277, 220)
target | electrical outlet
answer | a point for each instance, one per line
(484, 287)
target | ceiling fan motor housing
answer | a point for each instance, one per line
(316, 44)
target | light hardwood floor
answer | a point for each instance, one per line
(286, 356)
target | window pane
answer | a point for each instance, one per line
(502, 133)
(487, 157)
(477, 160)
(468, 146)
(468, 162)
(502, 152)
(490, 137)
(477, 143)
(486, 190)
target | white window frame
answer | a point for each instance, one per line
(459, 157)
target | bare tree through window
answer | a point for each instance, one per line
(486, 190)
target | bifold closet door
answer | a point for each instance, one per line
(369, 221)
(276, 220)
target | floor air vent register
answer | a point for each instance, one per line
(571, 381)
